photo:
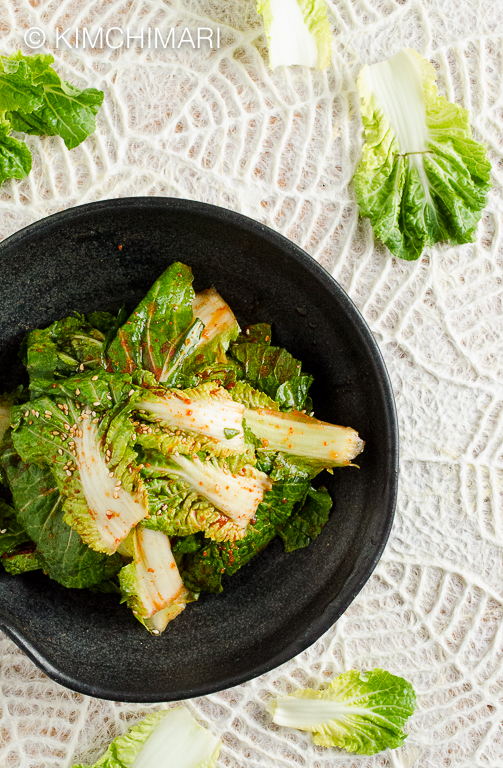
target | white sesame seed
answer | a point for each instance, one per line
(77, 391)
(81, 367)
(68, 473)
(110, 474)
(217, 488)
(60, 451)
(131, 392)
(27, 413)
(97, 402)
(94, 378)
(4, 530)
(155, 632)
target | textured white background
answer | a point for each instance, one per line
(218, 126)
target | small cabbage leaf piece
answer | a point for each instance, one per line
(15, 157)
(169, 732)
(56, 107)
(151, 584)
(12, 533)
(75, 343)
(359, 712)
(22, 562)
(422, 178)
(161, 333)
(307, 523)
(297, 32)
(220, 326)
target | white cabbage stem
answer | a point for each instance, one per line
(114, 510)
(206, 417)
(237, 496)
(180, 742)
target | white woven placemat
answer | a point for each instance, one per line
(218, 126)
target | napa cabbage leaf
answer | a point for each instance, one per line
(172, 732)
(297, 32)
(359, 712)
(422, 178)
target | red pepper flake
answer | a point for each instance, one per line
(283, 501)
(120, 247)
(151, 570)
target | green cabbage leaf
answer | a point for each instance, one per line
(359, 712)
(272, 370)
(204, 562)
(48, 105)
(422, 178)
(161, 334)
(92, 457)
(306, 523)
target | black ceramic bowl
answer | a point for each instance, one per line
(280, 603)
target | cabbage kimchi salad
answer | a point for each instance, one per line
(154, 455)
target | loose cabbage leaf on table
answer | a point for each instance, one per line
(362, 713)
(422, 178)
(297, 32)
(169, 732)
(55, 108)
(15, 157)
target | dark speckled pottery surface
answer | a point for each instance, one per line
(279, 604)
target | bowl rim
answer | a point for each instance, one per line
(337, 606)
